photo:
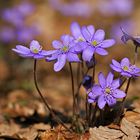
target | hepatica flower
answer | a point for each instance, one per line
(106, 92)
(126, 37)
(64, 51)
(35, 51)
(94, 43)
(125, 68)
(76, 32)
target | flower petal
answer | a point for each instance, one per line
(101, 101)
(119, 93)
(60, 62)
(71, 57)
(99, 35)
(115, 68)
(66, 39)
(110, 100)
(47, 53)
(125, 62)
(35, 44)
(102, 80)
(23, 49)
(97, 90)
(86, 34)
(107, 43)
(109, 79)
(101, 51)
(79, 47)
(123, 73)
(27, 55)
(53, 57)
(75, 29)
(88, 54)
(115, 63)
(116, 83)
(37, 56)
(57, 44)
(91, 100)
(91, 29)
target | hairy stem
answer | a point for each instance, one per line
(44, 101)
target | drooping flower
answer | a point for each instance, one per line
(64, 51)
(115, 32)
(87, 82)
(126, 37)
(125, 68)
(35, 51)
(94, 43)
(106, 92)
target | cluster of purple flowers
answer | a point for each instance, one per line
(86, 42)
(83, 8)
(15, 28)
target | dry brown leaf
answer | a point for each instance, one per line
(104, 133)
(133, 117)
(9, 129)
(129, 129)
(27, 134)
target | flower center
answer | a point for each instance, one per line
(94, 43)
(80, 39)
(107, 90)
(35, 50)
(65, 49)
(125, 68)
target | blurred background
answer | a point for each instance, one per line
(46, 20)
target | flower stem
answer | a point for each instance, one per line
(121, 110)
(73, 95)
(93, 120)
(126, 90)
(45, 102)
(90, 105)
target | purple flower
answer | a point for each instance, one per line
(77, 34)
(106, 92)
(116, 7)
(25, 8)
(125, 68)
(26, 33)
(35, 51)
(94, 43)
(115, 29)
(64, 51)
(87, 82)
(7, 34)
(12, 16)
(72, 9)
(126, 37)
